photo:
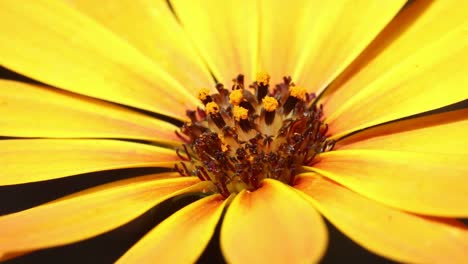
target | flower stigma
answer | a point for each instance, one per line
(245, 135)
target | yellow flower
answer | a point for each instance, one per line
(389, 158)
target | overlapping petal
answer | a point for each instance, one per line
(182, 237)
(416, 164)
(389, 232)
(44, 159)
(153, 29)
(417, 64)
(315, 40)
(272, 225)
(57, 45)
(441, 134)
(88, 213)
(421, 182)
(225, 33)
(35, 111)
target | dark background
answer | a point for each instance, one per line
(107, 247)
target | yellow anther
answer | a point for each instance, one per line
(298, 92)
(212, 108)
(236, 96)
(263, 78)
(203, 94)
(269, 103)
(224, 145)
(240, 113)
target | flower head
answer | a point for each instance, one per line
(353, 111)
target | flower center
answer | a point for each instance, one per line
(245, 135)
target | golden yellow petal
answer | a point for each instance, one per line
(151, 27)
(442, 133)
(384, 230)
(182, 237)
(421, 182)
(417, 64)
(316, 40)
(44, 159)
(225, 33)
(87, 214)
(35, 111)
(49, 41)
(272, 224)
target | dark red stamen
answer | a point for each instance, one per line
(238, 153)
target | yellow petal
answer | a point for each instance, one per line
(421, 182)
(182, 237)
(441, 134)
(328, 35)
(417, 64)
(386, 231)
(225, 33)
(34, 111)
(87, 214)
(55, 44)
(152, 28)
(421, 23)
(281, 39)
(8, 256)
(272, 225)
(44, 159)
